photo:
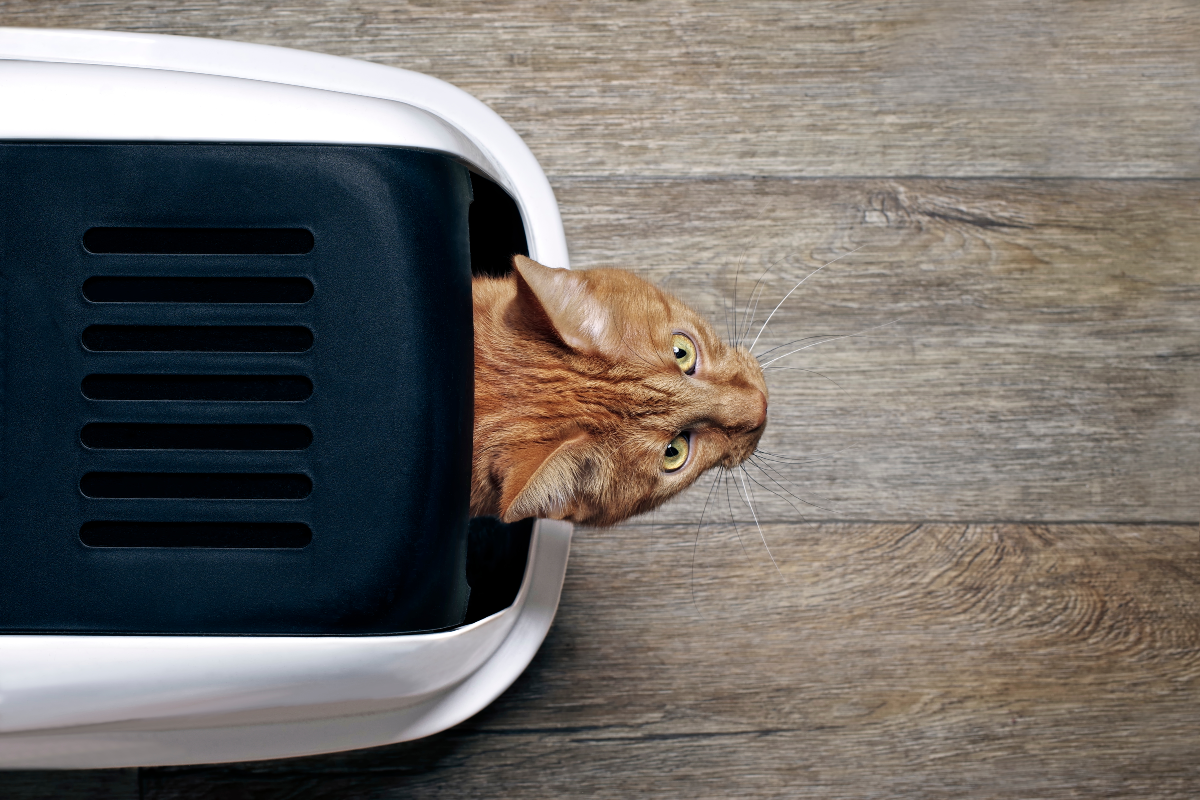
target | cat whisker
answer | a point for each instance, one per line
(749, 315)
(729, 330)
(810, 460)
(777, 494)
(725, 308)
(783, 477)
(797, 286)
(792, 342)
(736, 272)
(774, 492)
(814, 372)
(766, 467)
(834, 339)
(732, 518)
(749, 498)
(776, 470)
(725, 300)
(781, 459)
(696, 543)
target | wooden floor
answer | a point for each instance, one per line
(983, 516)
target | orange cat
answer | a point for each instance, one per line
(599, 396)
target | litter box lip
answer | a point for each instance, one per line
(469, 129)
(244, 698)
(96, 701)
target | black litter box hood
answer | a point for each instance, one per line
(238, 385)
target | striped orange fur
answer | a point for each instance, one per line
(578, 394)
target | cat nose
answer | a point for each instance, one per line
(762, 415)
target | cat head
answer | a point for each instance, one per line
(626, 397)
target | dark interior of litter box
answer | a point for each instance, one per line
(496, 552)
(237, 390)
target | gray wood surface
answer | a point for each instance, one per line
(765, 87)
(1009, 604)
(900, 660)
(1045, 357)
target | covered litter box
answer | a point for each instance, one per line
(236, 409)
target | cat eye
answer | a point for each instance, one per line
(685, 353)
(676, 454)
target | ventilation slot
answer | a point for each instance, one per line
(199, 241)
(144, 436)
(157, 492)
(198, 290)
(198, 338)
(250, 388)
(196, 534)
(195, 486)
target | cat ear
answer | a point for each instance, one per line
(580, 320)
(544, 480)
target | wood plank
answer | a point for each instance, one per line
(906, 660)
(1044, 360)
(824, 88)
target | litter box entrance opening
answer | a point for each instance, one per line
(496, 230)
(496, 552)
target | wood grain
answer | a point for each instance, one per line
(1045, 357)
(825, 88)
(906, 660)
